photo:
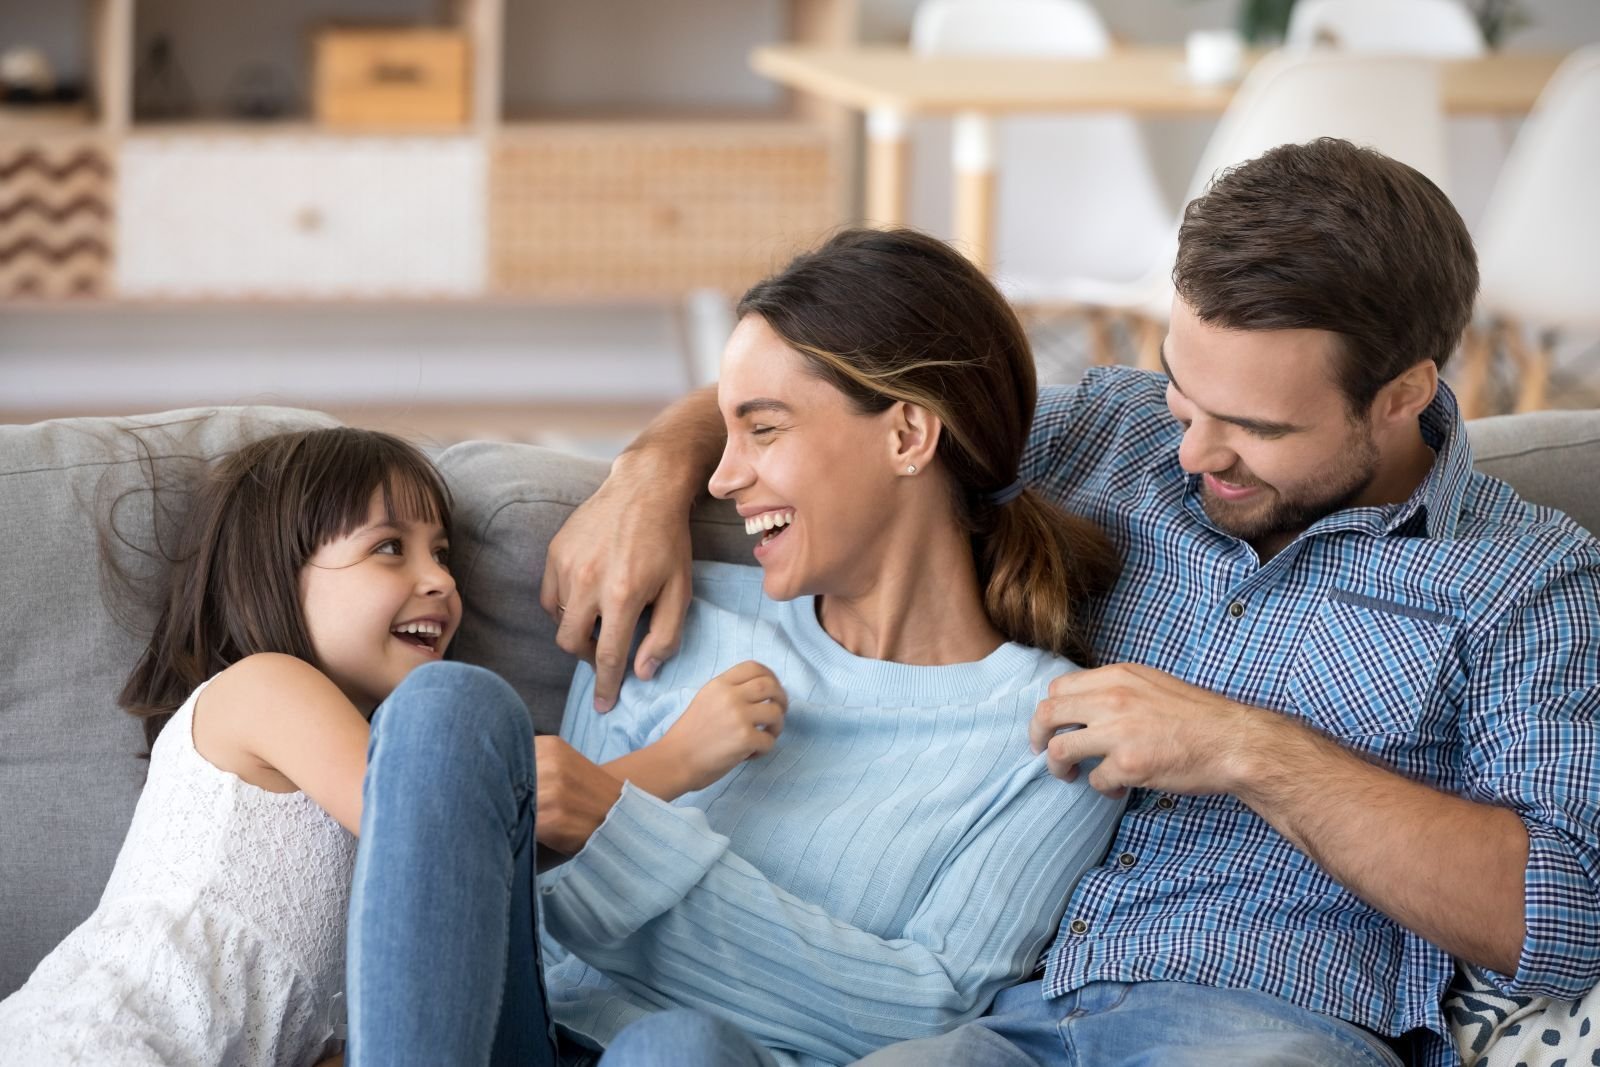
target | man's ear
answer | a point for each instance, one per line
(913, 437)
(1408, 395)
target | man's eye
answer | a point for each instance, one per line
(762, 431)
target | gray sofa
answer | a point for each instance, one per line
(70, 767)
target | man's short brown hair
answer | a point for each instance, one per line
(1330, 236)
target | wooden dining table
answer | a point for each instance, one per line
(890, 84)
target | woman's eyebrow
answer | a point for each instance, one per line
(762, 403)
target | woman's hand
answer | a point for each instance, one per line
(574, 795)
(736, 716)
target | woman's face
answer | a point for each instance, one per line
(812, 477)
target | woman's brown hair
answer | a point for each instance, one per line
(257, 517)
(896, 315)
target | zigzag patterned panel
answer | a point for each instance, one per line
(55, 219)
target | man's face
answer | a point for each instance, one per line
(1265, 426)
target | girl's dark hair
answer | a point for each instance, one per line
(257, 517)
(896, 315)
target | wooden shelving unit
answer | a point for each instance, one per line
(631, 201)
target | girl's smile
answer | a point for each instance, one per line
(379, 602)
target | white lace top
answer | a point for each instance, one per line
(219, 938)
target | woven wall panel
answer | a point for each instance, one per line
(55, 219)
(587, 212)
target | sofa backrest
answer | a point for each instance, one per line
(70, 770)
(70, 766)
(510, 500)
(1550, 457)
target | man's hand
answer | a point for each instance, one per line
(1149, 730)
(736, 716)
(574, 795)
(628, 546)
(1389, 845)
(625, 547)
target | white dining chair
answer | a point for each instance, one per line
(1444, 29)
(1390, 103)
(1539, 250)
(1440, 29)
(1074, 194)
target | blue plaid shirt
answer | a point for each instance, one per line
(1454, 637)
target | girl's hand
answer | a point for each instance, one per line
(736, 716)
(574, 795)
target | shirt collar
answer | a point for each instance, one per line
(1438, 499)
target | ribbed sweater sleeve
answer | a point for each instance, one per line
(658, 895)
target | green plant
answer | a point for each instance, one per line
(1499, 18)
(1266, 22)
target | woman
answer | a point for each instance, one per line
(843, 838)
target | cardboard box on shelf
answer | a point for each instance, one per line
(391, 77)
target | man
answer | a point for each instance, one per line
(1352, 684)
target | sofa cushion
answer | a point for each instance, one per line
(510, 500)
(70, 766)
(1550, 457)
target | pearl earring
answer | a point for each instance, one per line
(911, 468)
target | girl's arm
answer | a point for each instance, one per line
(280, 724)
(736, 716)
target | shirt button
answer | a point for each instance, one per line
(1235, 609)
(1127, 859)
(1166, 803)
(1078, 926)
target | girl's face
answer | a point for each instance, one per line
(379, 602)
(804, 464)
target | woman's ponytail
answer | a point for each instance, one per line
(1040, 567)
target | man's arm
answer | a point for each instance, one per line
(1450, 869)
(627, 547)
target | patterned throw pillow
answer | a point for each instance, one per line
(1493, 1029)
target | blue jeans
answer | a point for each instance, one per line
(1144, 1024)
(683, 1038)
(442, 963)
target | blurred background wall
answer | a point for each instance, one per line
(576, 375)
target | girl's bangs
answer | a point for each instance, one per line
(410, 488)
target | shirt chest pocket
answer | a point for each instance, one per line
(1367, 666)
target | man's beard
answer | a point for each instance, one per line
(1284, 515)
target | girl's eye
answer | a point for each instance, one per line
(442, 556)
(391, 547)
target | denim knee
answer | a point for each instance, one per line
(682, 1038)
(445, 704)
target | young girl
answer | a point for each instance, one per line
(314, 581)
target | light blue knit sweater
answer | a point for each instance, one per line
(896, 860)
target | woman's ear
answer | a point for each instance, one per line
(914, 437)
